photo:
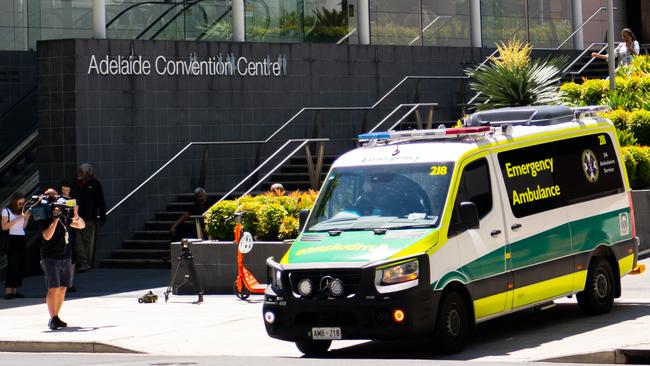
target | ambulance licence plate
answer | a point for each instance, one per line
(326, 333)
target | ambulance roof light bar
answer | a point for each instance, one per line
(440, 133)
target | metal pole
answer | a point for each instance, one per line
(238, 21)
(363, 21)
(611, 59)
(578, 40)
(475, 23)
(99, 19)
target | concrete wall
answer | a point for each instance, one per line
(216, 265)
(128, 126)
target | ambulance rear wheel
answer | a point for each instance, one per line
(598, 295)
(310, 347)
(452, 324)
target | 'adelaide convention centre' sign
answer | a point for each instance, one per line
(230, 65)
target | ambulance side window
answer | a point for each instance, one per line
(474, 187)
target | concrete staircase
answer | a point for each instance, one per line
(149, 246)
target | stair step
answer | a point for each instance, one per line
(140, 254)
(152, 234)
(135, 263)
(146, 244)
(168, 215)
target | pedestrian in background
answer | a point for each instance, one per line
(92, 209)
(199, 206)
(15, 222)
(624, 51)
(277, 189)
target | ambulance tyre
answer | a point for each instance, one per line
(452, 324)
(598, 295)
(310, 347)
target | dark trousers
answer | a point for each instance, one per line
(15, 261)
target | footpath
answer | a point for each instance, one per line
(104, 316)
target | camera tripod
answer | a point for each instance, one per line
(192, 278)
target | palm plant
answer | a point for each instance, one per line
(514, 79)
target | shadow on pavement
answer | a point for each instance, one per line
(78, 329)
(96, 282)
(502, 336)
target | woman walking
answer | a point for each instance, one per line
(15, 221)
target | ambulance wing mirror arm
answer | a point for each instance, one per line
(468, 216)
(302, 218)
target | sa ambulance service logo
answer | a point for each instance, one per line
(590, 165)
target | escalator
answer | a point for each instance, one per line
(208, 20)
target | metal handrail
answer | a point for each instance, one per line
(396, 109)
(582, 54)
(582, 25)
(346, 36)
(19, 149)
(408, 113)
(259, 167)
(174, 158)
(281, 128)
(590, 61)
(427, 27)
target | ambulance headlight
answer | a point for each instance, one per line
(305, 287)
(403, 272)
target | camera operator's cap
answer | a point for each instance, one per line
(277, 186)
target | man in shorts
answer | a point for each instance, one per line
(56, 254)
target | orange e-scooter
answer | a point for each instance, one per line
(245, 284)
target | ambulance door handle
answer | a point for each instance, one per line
(515, 227)
(494, 233)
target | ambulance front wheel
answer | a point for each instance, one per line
(452, 324)
(312, 348)
(598, 295)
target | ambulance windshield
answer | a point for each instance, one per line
(382, 196)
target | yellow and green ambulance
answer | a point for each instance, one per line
(424, 233)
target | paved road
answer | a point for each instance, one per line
(105, 311)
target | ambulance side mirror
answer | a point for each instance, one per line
(468, 216)
(302, 219)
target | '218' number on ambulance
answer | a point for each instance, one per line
(438, 170)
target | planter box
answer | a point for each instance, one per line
(216, 264)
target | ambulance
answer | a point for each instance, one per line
(424, 233)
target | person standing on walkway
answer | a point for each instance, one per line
(15, 222)
(55, 258)
(92, 208)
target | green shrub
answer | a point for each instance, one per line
(644, 84)
(593, 91)
(269, 218)
(630, 164)
(639, 124)
(266, 216)
(249, 206)
(570, 93)
(288, 228)
(641, 156)
(215, 220)
(619, 117)
(626, 138)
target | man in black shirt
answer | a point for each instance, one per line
(55, 259)
(92, 208)
(198, 208)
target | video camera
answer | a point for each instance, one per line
(43, 206)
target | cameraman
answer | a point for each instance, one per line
(55, 257)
